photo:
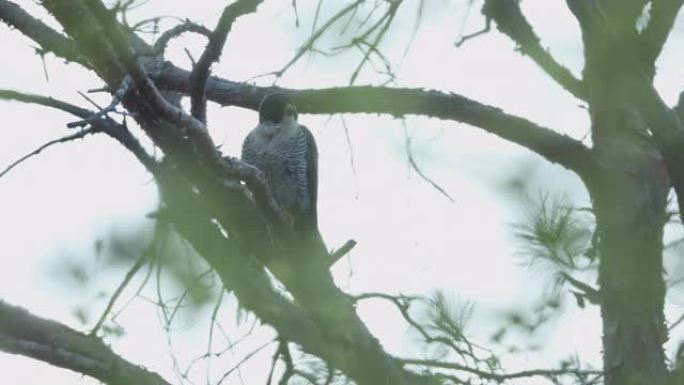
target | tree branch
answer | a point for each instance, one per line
(106, 125)
(316, 34)
(151, 106)
(341, 252)
(662, 17)
(48, 39)
(198, 194)
(54, 343)
(668, 134)
(555, 147)
(511, 22)
(212, 53)
(324, 321)
(499, 377)
(187, 26)
(142, 260)
(339, 338)
(143, 84)
(395, 101)
(44, 101)
(64, 139)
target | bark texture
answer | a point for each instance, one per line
(638, 143)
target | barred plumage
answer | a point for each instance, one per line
(286, 153)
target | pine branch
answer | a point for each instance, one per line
(56, 344)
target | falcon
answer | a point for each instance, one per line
(285, 151)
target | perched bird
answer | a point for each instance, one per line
(285, 151)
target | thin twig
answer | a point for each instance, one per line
(388, 17)
(142, 285)
(108, 126)
(214, 314)
(166, 37)
(414, 166)
(349, 145)
(484, 30)
(212, 53)
(142, 260)
(144, 257)
(315, 36)
(593, 295)
(37, 151)
(230, 347)
(676, 323)
(245, 359)
(496, 376)
(116, 99)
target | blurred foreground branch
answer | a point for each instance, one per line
(57, 344)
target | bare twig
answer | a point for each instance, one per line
(48, 39)
(187, 26)
(431, 334)
(143, 259)
(593, 295)
(212, 53)
(555, 147)
(300, 322)
(186, 292)
(230, 347)
(105, 125)
(347, 137)
(296, 12)
(243, 360)
(386, 22)
(414, 165)
(193, 62)
(511, 22)
(676, 323)
(193, 127)
(342, 251)
(496, 376)
(44, 101)
(143, 83)
(283, 352)
(116, 99)
(148, 275)
(64, 139)
(484, 30)
(316, 35)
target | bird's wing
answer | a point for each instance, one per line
(311, 173)
(249, 148)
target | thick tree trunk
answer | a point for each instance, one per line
(629, 193)
(629, 197)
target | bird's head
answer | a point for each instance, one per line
(277, 108)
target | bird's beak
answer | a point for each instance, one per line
(289, 110)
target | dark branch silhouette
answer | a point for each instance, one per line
(59, 345)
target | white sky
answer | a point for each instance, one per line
(411, 239)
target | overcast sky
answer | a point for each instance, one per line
(412, 240)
